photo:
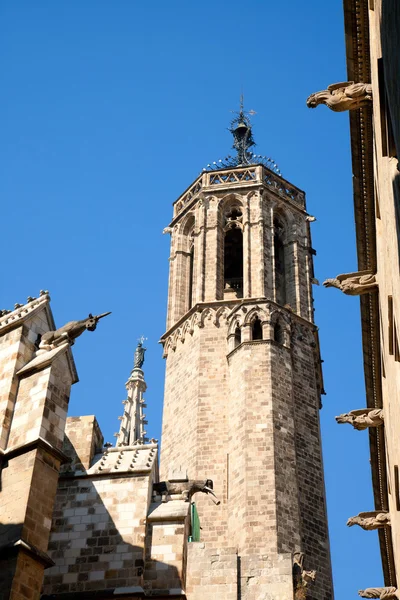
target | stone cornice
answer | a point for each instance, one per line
(19, 315)
(33, 445)
(129, 593)
(231, 304)
(256, 343)
(19, 545)
(238, 180)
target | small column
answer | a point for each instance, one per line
(133, 420)
(200, 250)
(246, 250)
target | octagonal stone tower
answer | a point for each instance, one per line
(243, 382)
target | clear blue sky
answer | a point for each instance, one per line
(109, 109)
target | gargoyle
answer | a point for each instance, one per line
(386, 593)
(186, 489)
(353, 284)
(342, 96)
(301, 577)
(69, 332)
(370, 520)
(362, 418)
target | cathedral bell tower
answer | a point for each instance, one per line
(243, 381)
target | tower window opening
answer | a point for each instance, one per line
(256, 329)
(278, 333)
(191, 271)
(238, 336)
(279, 255)
(233, 261)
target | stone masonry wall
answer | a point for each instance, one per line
(83, 439)
(309, 465)
(35, 393)
(41, 407)
(16, 350)
(98, 531)
(195, 418)
(180, 408)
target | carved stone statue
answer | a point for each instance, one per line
(342, 96)
(138, 358)
(301, 577)
(362, 418)
(370, 520)
(386, 593)
(354, 284)
(69, 332)
(186, 489)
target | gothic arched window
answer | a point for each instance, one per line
(279, 262)
(187, 257)
(238, 336)
(233, 253)
(278, 333)
(256, 329)
(191, 271)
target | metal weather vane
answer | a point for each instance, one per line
(242, 134)
(243, 141)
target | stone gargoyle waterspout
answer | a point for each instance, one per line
(339, 97)
(354, 284)
(362, 418)
(68, 332)
(370, 520)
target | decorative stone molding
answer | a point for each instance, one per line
(370, 520)
(362, 418)
(342, 96)
(241, 315)
(354, 284)
(10, 318)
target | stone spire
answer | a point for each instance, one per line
(133, 420)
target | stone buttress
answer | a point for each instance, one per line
(34, 394)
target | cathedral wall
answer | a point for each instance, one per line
(282, 392)
(98, 532)
(16, 349)
(179, 429)
(195, 417)
(83, 439)
(15, 486)
(252, 497)
(9, 350)
(384, 50)
(26, 577)
(309, 464)
(41, 406)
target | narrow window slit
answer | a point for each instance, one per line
(256, 329)
(238, 336)
(390, 324)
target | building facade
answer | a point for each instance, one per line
(372, 96)
(237, 509)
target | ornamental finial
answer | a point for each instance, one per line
(242, 134)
